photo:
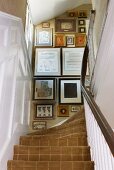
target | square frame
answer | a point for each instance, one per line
(63, 111)
(72, 61)
(65, 25)
(81, 22)
(70, 91)
(47, 62)
(82, 14)
(80, 40)
(44, 88)
(82, 29)
(60, 40)
(43, 37)
(39, 125)
(44, 111)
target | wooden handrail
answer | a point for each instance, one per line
(102, 122)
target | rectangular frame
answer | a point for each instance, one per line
(43, 37)
(65, 25)
(82, 14)
(60, 40)
(70, 91)
(45, 25)
(44, 111)
(81, 22)
(44, 89)
(75, 108)
(63, 111)
(72, 61)
(80, 40)
(39, 125)
(82, 29)
(47, 62)
(70, 40)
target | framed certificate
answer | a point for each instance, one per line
(47, 62)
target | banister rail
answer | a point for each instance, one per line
(102, 122)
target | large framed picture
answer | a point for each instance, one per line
(70, 91)
(44, 89)
(39, 125)
(47, 62)
(44, 37)
(72, 61)
(44, 111)
(65, 25)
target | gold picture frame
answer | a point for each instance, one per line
(63, 110)
(80, 40)
(60, 40)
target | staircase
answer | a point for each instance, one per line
(59, 148)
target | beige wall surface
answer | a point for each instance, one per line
(14, 7)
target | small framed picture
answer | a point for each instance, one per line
(82, 29)
(45, 25)
(70, 40)
(60, 40)
(75, 108)
(71, 14)
(38, 125)
(80, 40)
(44, 89)
(70, 91)
(63, 110)
(81, 22)
(44, 111)
(43, 37)
(82, 14)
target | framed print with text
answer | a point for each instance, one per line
(39, 125)
(47, 62)
(72, 61)
(44, 89)
(70, 91)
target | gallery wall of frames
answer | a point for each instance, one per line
(59, 50)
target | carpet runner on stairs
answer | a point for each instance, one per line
(59, 148)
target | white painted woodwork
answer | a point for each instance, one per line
(100, 152)
(15, 86)
(103, 78)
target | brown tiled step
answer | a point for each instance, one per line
(79, 140)
(50, 165)
(20, 149)
(53, 157)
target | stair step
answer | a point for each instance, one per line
(50, 165)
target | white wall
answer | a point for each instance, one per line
(15, 86)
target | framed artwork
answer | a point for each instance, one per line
(63, 110)
(45, 25)
(71, 14)
(81, 22)
(44, 37)
(44, 111)
(72, 61)
(75, 108)
(70, 40)
(65, 25)
(82, 14)
(47, 62)
(39, 125)
(70, 91)
(80, 40)
(82, 29)
(44, 89)
(60, 40)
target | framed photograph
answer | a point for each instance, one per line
(70, 91)
(82, 14)
(81, 22)
(80, 40)
(47, 62)
(44, 111)
(45, 25)
(44, 37)
(60, 40)
(65, 25)
(70, 40)
(72, 61)
(82, 29)
(39, 125)
(63, 110)
(71, 14)
(44, 89)
(75, 108)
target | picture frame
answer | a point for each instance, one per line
(80, 40)
(44, 111)
(70, 40)
(44, 37)
(39, 125)
(71, 14)
(70, 91)
(44, 88)
(65, 25)
(45, 25)
(82, 29)
(47, 62)
(60, 40)
(75, 108)
(63, 111)
(82, 14)
(72, 61)
(81, 22)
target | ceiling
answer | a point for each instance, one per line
(42, 10)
